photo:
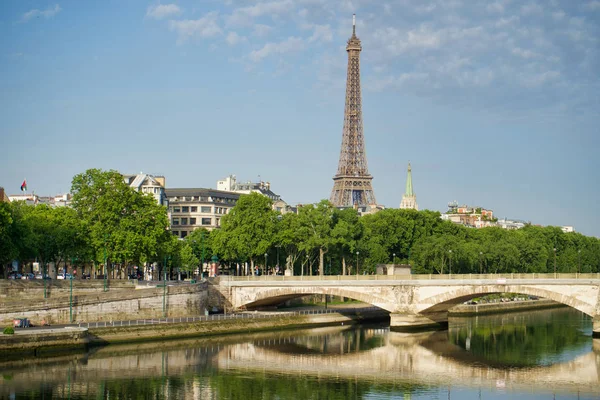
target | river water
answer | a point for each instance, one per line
(534, 355)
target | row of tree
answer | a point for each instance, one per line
(323, 239)
(111, 221)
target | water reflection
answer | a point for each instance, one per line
(524, 339)
(333, 363)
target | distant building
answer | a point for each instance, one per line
(194, 208)
(510, 224)
(567, 229)
(230, 184)
(409, 199)
(475, 217)
(146, 183)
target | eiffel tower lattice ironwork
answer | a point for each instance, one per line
(352, 183)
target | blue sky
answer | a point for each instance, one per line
(495, 103)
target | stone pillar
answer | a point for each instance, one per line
(596, 327)
(414, 323)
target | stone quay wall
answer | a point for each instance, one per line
(115, 304)
(35, 342)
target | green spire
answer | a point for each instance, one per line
(409, 189)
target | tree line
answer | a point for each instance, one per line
(109, 221)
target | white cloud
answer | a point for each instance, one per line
(161, 11)
(532, 9)
(47, 13)
(204, 27)
(244, 16)
(261, 30)
(592, 5)
(321, 33)
(524, 53)
(289, 45)
(233, 38)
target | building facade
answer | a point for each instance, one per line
(190, 209)
(146, 183)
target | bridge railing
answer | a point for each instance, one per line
(493, 277)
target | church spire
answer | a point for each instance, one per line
(409, 189)
(409, 199)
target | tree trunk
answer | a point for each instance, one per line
(321, 261)
(343, 265)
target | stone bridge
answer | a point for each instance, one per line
(414, 301)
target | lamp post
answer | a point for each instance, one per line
(165, 287)
(71, 293)
(278, 246)
(450, 251)
(578, 261)
(202, 240)
(554, 261)
(44, 278)
(394, 255)
(357, 263)
(266, 269)
(480, 268)
(105, 267)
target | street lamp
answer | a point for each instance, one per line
(554, 261)
(357, 263)
(105, 266)
(394, 255)
(266, 269)
(450, 251)
(579, 261)
(45, 279)
(165, 287)
(480, 268)
(278, 246)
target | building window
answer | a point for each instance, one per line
(183, 234)
(192, 221)
(185, 209)
(176, 209)
(206, 221)
(175, 221)
(205, 209)
(175, 233)
(183, 221)
(194, 209)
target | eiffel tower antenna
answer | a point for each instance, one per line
(352, 183)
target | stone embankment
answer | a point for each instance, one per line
(35, 342)
(91, 303)
(465, 310)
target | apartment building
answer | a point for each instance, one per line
(146, 183)
(190, 209)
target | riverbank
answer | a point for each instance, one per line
(467, 310)
(44, 341)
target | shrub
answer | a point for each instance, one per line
(9, 330)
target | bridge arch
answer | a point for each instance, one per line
(274, 296)
(444, 301)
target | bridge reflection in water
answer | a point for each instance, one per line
(429, 358)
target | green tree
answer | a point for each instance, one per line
(247, 231)
(128, 225)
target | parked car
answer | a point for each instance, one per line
(28, 275)
(15, 275)
(21, 323)
(38, 276)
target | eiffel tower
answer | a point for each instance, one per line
(352, 183)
